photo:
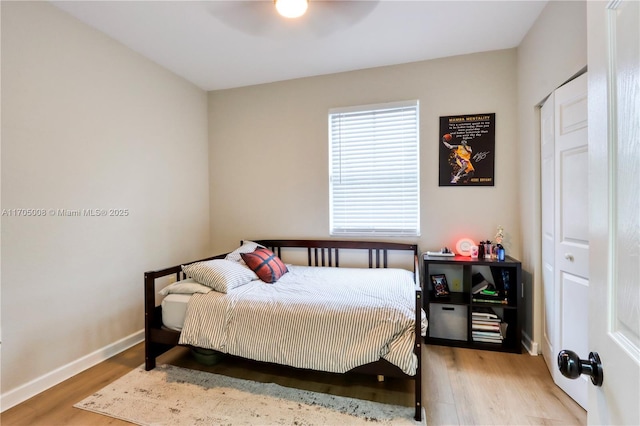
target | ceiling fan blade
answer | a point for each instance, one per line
(337, 14)
(259, 18)
(251, 17)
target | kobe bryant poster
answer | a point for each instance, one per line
(467, 150)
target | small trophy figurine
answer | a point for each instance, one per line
(499, 235)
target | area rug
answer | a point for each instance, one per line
(170, 395)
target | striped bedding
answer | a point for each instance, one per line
(320, 318)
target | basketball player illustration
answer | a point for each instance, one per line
(460, 159)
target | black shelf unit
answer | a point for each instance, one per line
(461, 302)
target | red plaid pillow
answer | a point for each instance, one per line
(265, 264)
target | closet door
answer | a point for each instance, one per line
(565, 240)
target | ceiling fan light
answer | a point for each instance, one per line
(291, 8)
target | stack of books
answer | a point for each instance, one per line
(494, 297)
(485, 292)
(487, 326)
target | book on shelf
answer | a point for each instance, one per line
(497, 299)
(503, 328)
(500, 331)
(478, 283)
(493, 322)
(495, 334)
(484, 312)
(497, 339)
(487, 340)
(476, 326)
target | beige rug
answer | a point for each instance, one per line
(170, 395)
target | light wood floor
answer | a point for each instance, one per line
(461, 387)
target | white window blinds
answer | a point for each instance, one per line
(374, 170)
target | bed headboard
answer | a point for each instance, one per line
(327, 252)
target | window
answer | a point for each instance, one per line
(374, 170)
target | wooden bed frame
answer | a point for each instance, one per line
(159, 339)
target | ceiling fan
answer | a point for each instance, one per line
(322, 17)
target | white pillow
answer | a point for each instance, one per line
(246, 247)
(188, 286)
(220, 274)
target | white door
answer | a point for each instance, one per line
(614, 208)
(565, 228)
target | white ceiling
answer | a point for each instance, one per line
(225, 44)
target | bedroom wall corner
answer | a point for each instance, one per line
(104, 176)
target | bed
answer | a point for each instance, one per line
(372, 317)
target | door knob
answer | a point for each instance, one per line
(572, 366)
(569, 257)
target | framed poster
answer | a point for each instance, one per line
(467, 150)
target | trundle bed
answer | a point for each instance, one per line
(351, 319)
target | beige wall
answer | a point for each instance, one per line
(87, 124)
(268, 147)
(552, 52)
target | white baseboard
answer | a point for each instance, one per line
(532, 347)
(40, 384)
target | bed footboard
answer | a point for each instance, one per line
(418, 339)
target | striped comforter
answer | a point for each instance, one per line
(327, 319)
